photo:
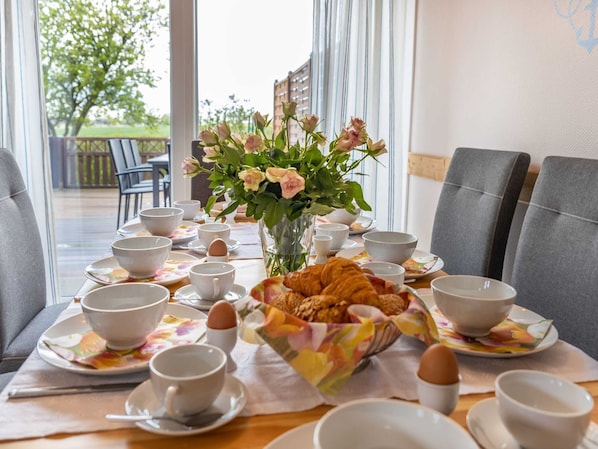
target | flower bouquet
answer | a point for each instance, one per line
(285, 184)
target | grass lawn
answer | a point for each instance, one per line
(106, 131)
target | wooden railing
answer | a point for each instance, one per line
(85, 162)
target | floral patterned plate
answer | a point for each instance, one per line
(186, 231)
(108, 271)
(77, 324)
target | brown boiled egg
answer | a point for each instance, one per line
(438, 365)
(217, 248)
(222, 315)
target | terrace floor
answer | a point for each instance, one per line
(85, 225)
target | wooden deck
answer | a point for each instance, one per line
(85, 225)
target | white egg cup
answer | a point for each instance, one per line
(442, 398)
(322, 244)
(225, 339)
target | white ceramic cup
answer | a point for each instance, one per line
(212, 280)
(386, 270)
(338, 231)
(190, 208)
(209, 231)
(542, 410)
(187, 379)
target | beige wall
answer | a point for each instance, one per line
(499, 74)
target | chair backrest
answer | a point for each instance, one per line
(200, 184)
(475, 210)
(21, 254)
(120, 165)
(555, 268)
(129, 154)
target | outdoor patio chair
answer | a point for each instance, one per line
(126, 186)
(133, 161)
(554, 271)
(475, 210)
(24, 315)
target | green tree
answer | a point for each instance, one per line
(92, 56)
(236, 113)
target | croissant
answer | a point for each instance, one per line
(307, 281)
(337, 267)
(354, 288)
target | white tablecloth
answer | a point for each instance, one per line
(273, 386)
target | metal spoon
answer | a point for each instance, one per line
(189, 422)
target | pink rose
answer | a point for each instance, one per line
(223, 130)
(252, 177)
(208, 137)
(291, 184)
(357, 124)
(210, 153)
(378, 147)
(348, 139)
(252, 143)
(190, 167)
(259, 120)
(309, 123)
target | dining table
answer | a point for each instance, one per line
(158, 164)
(278, 399)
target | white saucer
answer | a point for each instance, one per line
(358, 226)
(200, 248)
(300, 437)
(142, 401)
(77, 324)
(517, 313)
(188, 296)
(354, 252)
(186, 231)
(347, 245)
(107, 271)
(484, 423)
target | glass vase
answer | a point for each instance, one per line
(286, 245)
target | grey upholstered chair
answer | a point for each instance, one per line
(555, 271)
(475, 210)
(24, 315)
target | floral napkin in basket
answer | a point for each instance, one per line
(324, 354)
(90, 350)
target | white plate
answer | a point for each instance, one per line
(107, 271)
(300, 437)
(346, 246)
(358, 226)
(186, 231)
(77, 324)
(484, 423)
(352, 253)
(518, 313)
(188, 296)
(142, 401)
(200, 248)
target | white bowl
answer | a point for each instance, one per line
(125, 314)
(385, 423)
(142, 257)
(161, 220)
(542, 410)
(389, 246)
(343, 216)
(392, 272)
(338, 231)
(473, 304)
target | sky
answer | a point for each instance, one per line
(245, 46)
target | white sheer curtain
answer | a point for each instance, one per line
(362, 64)
(22, 117)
